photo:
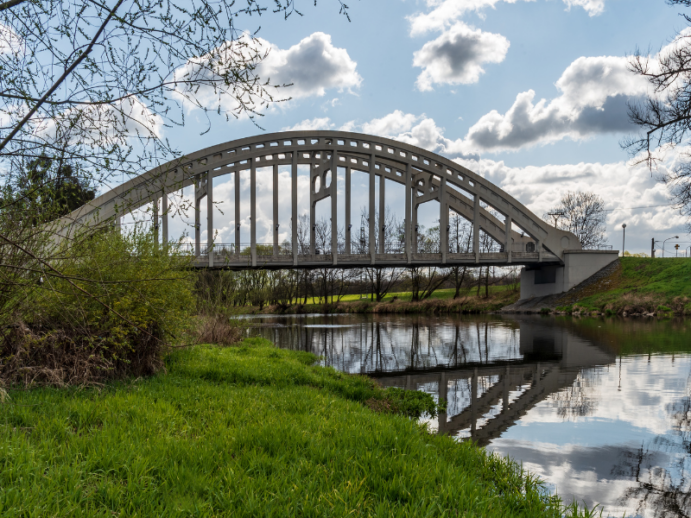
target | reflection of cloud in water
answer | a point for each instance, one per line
(620, 436)
(574, 471)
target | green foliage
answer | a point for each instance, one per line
(246, 431)
(47, 191)
(109, 304)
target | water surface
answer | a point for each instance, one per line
(599, 408)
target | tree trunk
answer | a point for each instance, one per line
(487, 283)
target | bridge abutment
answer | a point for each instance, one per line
(579, 265)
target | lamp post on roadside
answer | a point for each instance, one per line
(623, 240)
(688, 251)
(663, 243)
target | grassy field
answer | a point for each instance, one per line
(406, 296)
(643, 285)
(245, 431)
(441, 301)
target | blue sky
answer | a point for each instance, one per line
(531, 94)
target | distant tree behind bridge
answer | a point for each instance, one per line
(582, 213)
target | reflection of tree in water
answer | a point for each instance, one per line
(666, 491)
(388, 345)
(578, 400)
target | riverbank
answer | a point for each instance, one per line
(443, 303)
(636, 286)
(245, 431)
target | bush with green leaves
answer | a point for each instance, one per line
(106, 307)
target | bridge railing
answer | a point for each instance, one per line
(263, 249)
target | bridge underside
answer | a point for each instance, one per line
(226, 261)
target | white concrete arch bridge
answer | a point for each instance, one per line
(553, 259)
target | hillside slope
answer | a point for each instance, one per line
(635, 286)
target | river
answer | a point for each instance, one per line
(600, 409)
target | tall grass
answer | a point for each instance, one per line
(247, 431)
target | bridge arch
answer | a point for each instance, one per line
(425, 176)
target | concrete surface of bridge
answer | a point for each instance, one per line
(552, 258)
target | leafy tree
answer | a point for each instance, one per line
(47, 192)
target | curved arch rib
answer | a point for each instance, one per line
(425, 175)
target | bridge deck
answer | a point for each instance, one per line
(223, 260)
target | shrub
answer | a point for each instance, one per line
(105, 308)
(217, 329)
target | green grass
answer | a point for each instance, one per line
(247, 431)
(406, 296)
(644, 284)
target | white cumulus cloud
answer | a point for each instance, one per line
(317, 123)
(310, 67)
(594, 96)
(592, 7)
(9, 40)
(457, 56)
(444, 13)
(391, 124)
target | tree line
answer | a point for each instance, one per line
(330, 285)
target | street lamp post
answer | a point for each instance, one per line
(623, 240)
(663, 243)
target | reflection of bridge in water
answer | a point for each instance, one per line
(485, 399)
(490, 373)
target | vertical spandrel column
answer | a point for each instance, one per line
(197, 219)
(476, 228)
(413, 223)
(443, 221)
(334, 206)
(164, 218)
(210, 217)
(253, 210)
(236, 174)
(275, 207)
(372, 211)
(313, 214)
(506, 387)
(294, 204)
(382, 213)
(347, 211)
(507, 241)
(408, 224)
(539, 250)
